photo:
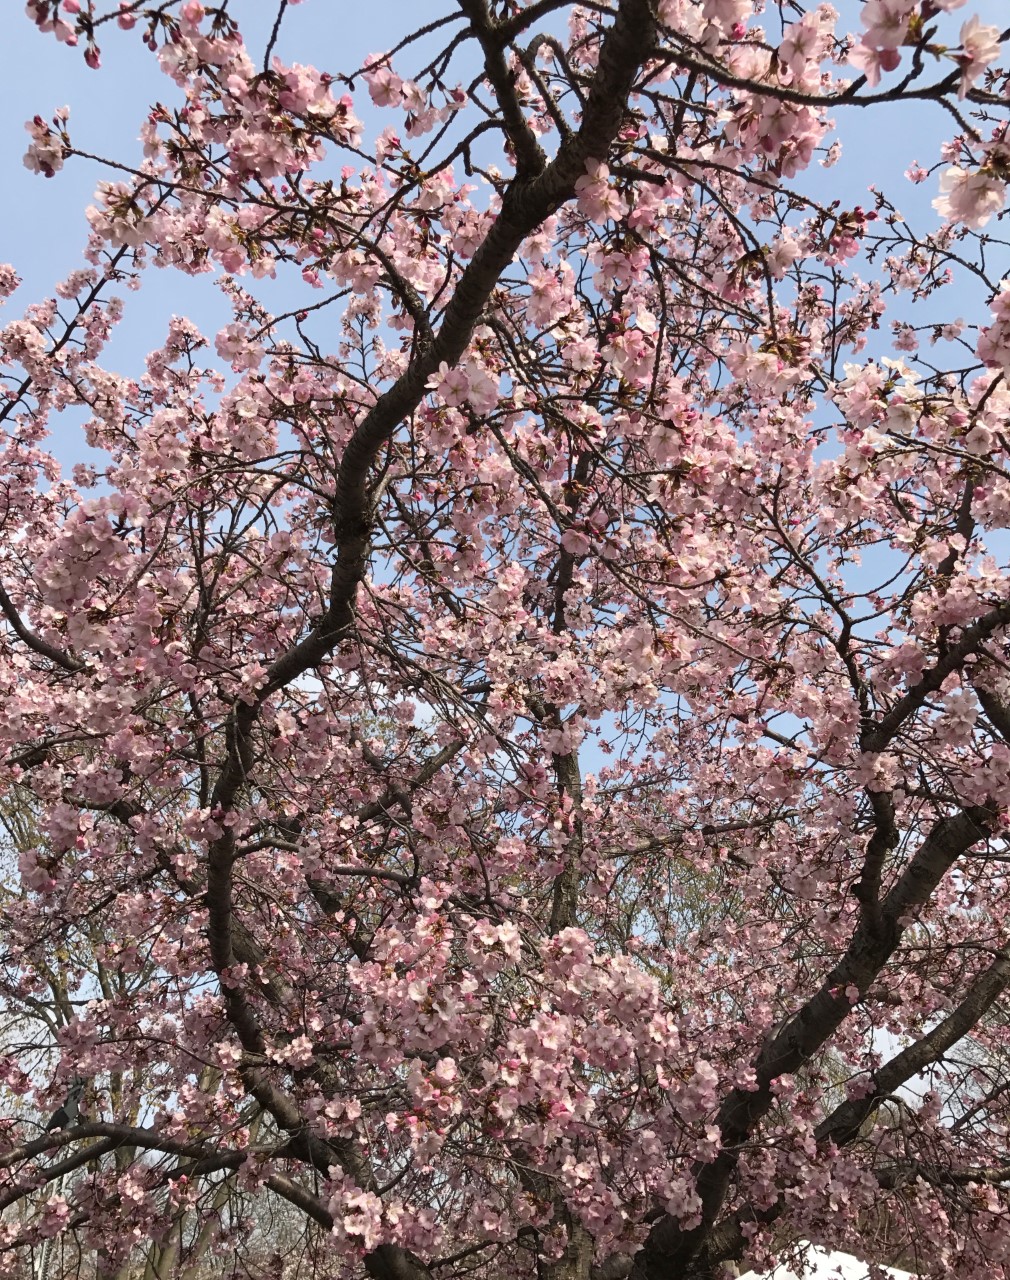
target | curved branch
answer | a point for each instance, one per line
(972, 638)
(33, 641)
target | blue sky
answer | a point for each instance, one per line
(43, 228)
(43, 225)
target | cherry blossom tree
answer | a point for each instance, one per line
(528, 723)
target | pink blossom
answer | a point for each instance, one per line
(64, 32)
(9, 280)
(360, 1217)
(482, 391)
(575, 542)
(451, 385)
(46, 151)
(54, 1216)
(885, 22)
(598, 200)
(192, 13)
(873, 61)
(384, 86)
(981, 46)
(969, 197)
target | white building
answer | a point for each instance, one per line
(824, 1264)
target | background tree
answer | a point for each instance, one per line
(683, 610)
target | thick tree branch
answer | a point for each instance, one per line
(971, 640)
(844, 1122)
(33, 641)
(670, 1246)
